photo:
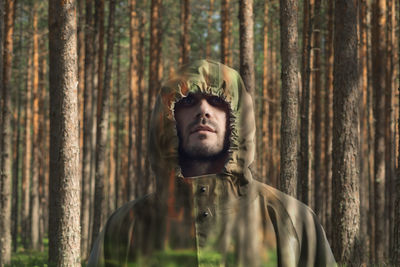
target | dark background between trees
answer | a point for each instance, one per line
(79, 79)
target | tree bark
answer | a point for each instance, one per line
(328, 121)
(209, 27)
(318, 184)
(345, 155)
(87, 130)
(226, 53)
(102, 130)
(364, 156)
(185, 28)
(265, 98)
(289, 100)
(304, 186)
(133, 166)
(246, 29)
(34, 202)
(396, 236)
(378, 77)
(6, 137)
(64, 227)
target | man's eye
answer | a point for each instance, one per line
(187, 101)
(216, 101)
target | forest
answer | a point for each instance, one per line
(79, 79)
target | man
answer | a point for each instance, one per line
(207, 209)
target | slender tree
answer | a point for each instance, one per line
(378, 79)
(289, 100)
(318, 184)
(102, 129)
(26, 167)
(304, 187)
(328, 120)
(209, 27)
(133, 100)
(64, 213)
(226, 56)
(6, 137)
(265, 104)
(87, 129)
(346, 202)
(34, 201)
(396, 238)
(185, 28)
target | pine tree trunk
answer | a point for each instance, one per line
(389, 143)
(102, 130)
(87, 130)
(346, 245)
(396, 236)
(144, 183)
(117, 126)
(378, 76)
(185, 28)
(133, 101)
(155, 62)
(328, 121)
(289, 100)
(318, 184)
(209, 27)
(64, 227)
(81, 71)
(225, 33)
(34, 202)
(364, 159)
(6, 137)
(304, 186)
(265, 150)
(16, 203)
(15, 186)
(26, 166)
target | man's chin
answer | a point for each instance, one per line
(202, 153)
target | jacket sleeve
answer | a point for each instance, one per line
(301, 240)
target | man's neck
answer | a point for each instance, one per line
(194, 167)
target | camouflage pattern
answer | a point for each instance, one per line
(223, 219)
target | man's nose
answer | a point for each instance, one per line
(203, 109)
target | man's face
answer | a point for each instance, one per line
(202, 125)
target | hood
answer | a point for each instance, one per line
(209, 77)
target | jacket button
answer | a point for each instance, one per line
(202, 189)
(205, 214)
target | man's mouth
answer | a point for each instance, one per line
(201, 128)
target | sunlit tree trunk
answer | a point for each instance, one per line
(265, 99)
(289, 99)
(6, 137)
(64, 226)
(34, 202)
(226, 53)
(185, 28)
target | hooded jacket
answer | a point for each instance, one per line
(222, 219)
